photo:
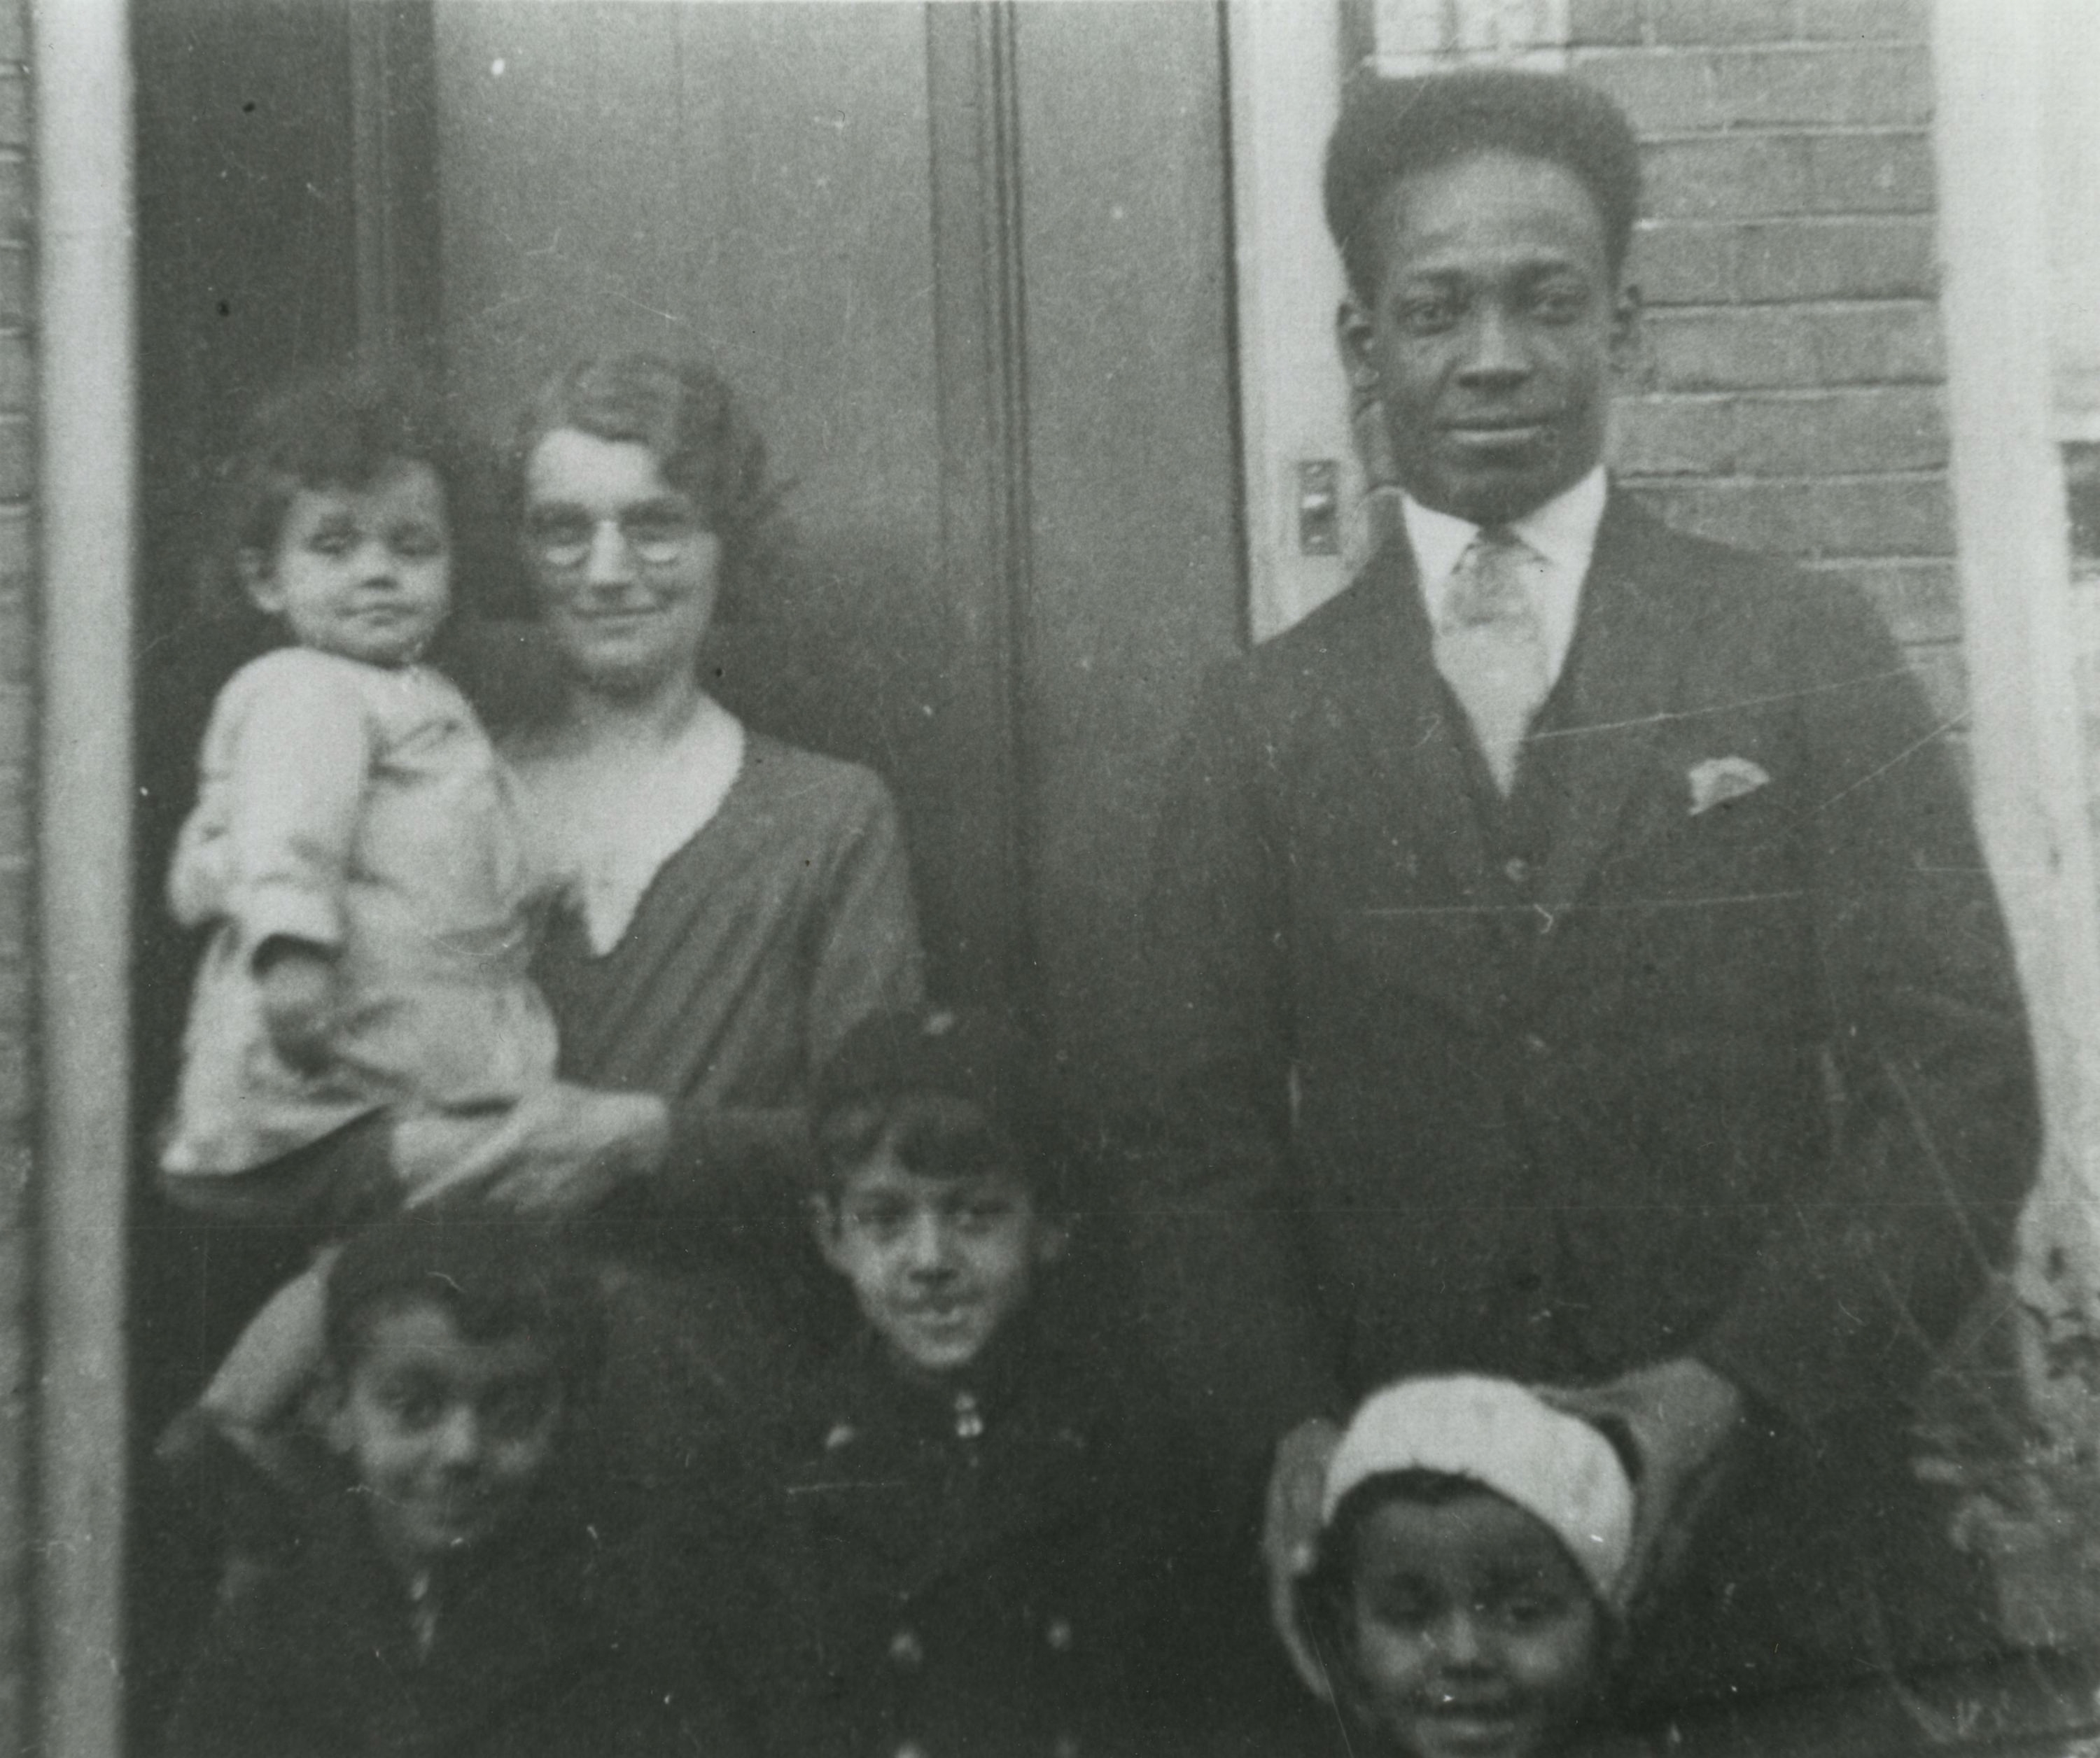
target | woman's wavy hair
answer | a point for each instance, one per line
(335, 427)
(704, 441)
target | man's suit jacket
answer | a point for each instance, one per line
(1744, 1078)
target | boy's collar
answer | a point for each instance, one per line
(954, 1402)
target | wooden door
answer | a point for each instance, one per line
(969, 261)
(751, 184)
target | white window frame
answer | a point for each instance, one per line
(2033, 787)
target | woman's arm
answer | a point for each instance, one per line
(867, 959)
(735, 1157)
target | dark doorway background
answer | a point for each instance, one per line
(970, 262)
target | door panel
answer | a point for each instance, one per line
(1135, 576)
(969, 264)
(750, 183)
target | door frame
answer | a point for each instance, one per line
(87, 480)
(74, 1520)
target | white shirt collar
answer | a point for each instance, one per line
(1562, 532)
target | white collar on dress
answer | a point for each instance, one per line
(608, 833)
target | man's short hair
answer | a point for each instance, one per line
(495, 1275)
(1391, 129)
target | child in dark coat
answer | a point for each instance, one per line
(991, 1550)
(442, 1593)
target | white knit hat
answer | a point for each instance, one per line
(1555, 1467)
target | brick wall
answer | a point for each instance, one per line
(1789, 393)
(17, 693)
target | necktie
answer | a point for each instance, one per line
(1490, 649)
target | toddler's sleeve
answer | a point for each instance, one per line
(199, 874)
(300, 753)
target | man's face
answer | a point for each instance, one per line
(1473, 1634)
(448, 1435)
(938, 1264)
(1492, 334)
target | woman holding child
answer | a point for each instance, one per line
(732, 906)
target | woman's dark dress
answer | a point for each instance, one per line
(785, 920)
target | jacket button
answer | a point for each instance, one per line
(906, 1651)
(1517, 870)
(1059, 1634)
(1537, 1045)
(1064, 1745)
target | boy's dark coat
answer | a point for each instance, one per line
(1033, 1589)
(319, 1657)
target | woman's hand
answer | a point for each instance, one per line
(1685, 1420)
(560, 1151)
(299, 986)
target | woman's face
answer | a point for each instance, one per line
(625, 573)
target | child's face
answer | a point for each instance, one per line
(449, 1436)
(364, 573)
(1475, 1635)
(938, 1264)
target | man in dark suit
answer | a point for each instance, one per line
(1576, 961)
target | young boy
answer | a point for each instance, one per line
(445, 1593)
(988, 1552)
(1461, 1595)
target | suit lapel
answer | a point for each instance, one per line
(1403, 719)
(1627, 663)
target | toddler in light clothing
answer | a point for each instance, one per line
(363, 1033)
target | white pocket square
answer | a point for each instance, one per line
(1719, 780)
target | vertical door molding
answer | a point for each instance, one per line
(1136, 577)
(980, 338)
(1285, 80)
(394, 177)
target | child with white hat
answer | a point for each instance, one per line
(1461, 1595)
